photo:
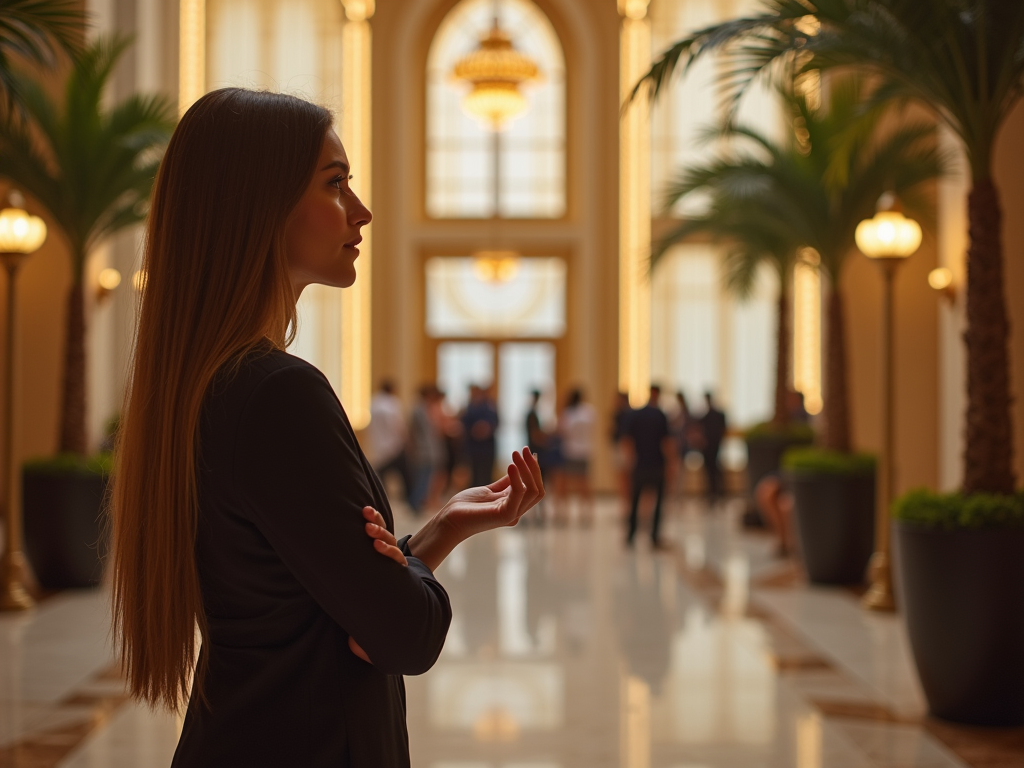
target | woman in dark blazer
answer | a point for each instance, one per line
(244, 510)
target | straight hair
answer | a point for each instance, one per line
(215, 288)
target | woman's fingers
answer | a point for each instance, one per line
(357, 650)
(518, 490)
(383, 540)
(390, 551)
(499, 485)
(534, 465)
(373, 516)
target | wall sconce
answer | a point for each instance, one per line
(941, 279)
(107, 281)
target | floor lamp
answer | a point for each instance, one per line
(20, 235)
(888, 239)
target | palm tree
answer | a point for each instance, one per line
(34, 30)
(801, 194)
(745, 219)
(962, 59)
(93, 170)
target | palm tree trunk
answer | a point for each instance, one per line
(836, 435)
(988, 452)
(782, 357)
(72, 419)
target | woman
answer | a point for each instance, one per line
(243, 508)
(576, 428)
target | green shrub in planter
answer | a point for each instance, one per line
(793, 431)
(822, 462)
(71, 463)
(954, 511)
(960, 571)
(63, 499)
(834, 510)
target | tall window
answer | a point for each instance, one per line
(703, 339)
(528, 179)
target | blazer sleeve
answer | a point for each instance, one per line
(299, 472)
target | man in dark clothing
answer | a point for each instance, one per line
(651, 447)
(712, 427)
(480, 421)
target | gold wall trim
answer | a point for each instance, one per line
(356, 317)
(634, 207)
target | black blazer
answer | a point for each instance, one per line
(288, 573)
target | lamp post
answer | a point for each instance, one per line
(888, 238)
(20, 235)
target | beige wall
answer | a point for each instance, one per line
(1009, 175)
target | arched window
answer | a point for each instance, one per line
(463, 179)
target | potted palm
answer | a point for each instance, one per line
(811, 203)
(962, 61)
(91, 167)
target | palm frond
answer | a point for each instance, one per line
(34, 31)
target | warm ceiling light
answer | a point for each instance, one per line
(889, 234)
(495, 70)
(495, 266)
(20, 232)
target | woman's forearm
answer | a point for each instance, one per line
(434, 541)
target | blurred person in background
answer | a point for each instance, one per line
(652, 452)
(427, 451)
(621, 413)
(682, 426)
(480, 423)
(540, 444)
(576, 427)
(712, 430)
(386, 436)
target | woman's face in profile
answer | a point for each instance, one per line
(322, 234)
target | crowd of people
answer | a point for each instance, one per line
(436, 451)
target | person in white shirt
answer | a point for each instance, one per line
(387, 435)
(577, 427)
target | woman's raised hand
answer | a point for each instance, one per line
(502, 503)
(385, 543)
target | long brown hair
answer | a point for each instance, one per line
(216, 286)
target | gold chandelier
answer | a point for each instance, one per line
(495, 70)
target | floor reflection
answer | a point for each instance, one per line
(569, 650)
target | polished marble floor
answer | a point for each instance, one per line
(568, 650)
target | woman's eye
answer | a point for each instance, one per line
(337, 181)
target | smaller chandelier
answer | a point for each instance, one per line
(495, 70)
(495, 266)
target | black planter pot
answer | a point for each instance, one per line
(63, 527)
(963, 597)
(835, 520)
